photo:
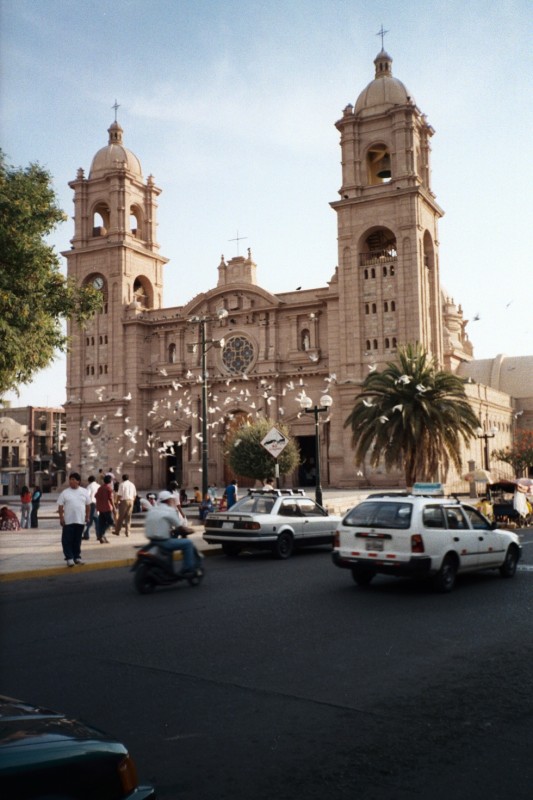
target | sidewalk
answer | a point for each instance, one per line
(36, 552)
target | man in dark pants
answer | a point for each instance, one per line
(105, 505)
(35, 503)
(73, 505)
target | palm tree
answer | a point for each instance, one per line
(412, 416)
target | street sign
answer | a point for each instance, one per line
(274, 442)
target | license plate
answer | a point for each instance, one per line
(375, 544)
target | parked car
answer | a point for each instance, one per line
(275, 519)
(45, 755)
(421, 536)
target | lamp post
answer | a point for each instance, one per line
(481, 434)
(325, 404)
(205, 345)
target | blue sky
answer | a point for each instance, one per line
(231, 106)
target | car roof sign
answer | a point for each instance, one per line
(431, 489)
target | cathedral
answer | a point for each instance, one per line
(141, 376)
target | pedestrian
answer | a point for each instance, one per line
(35, 503)
(160, 521)
(197, 495)
(206, 507)
(110, 472)
(231, 494)
(126, 494)
(8, 520)
(212, 492)
(25, 507)
(105, 505)
(73, 505)
(92, 488)
(268, 484)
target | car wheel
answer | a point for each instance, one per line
(508, 568)
(283, 546)
(230, 549)
(362, 575)
(444, 580)
(143, 582)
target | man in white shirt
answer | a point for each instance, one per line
(73, 505)
(127, 494)
(92, 488)
(160, 521)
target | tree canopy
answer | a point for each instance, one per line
(35, 297)
(520, 456)
(413, 417)
(247, 456)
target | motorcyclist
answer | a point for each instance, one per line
(161, 520)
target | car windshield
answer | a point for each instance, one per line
(380, 515)
(253, 505)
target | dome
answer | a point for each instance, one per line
(512, 375)
(114, 156)
(383, 92)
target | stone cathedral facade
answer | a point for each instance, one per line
(135, 371)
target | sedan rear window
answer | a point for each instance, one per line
(380, 515)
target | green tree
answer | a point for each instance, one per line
(520, 455)
(35, 298)
(412, 416)
(247, 457)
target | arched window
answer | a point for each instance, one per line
(393, 342)
(385, 306)
(373, 272)
(374, 308)
(367, 308)
(378, 162)
(387, 344)
(375, 344)
(368, 345)
(136, 222)
(392, 305)
(366, 274)
(100, 219)
(384, 272)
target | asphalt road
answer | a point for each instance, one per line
(284, 680)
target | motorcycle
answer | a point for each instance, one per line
(154, 566)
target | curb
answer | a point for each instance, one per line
(47, 572)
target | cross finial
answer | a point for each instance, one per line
(117, 106)
(237, 239)
(382, 33)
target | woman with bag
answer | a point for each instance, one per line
(25, 501)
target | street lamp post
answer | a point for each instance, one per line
(325, 404)
(205, 344)
(481, 434)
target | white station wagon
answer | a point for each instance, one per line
(421, 536)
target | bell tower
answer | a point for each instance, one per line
(388, 277)
(114, 248)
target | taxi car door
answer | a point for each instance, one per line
(465, 540)
(491, 547)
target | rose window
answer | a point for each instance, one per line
(238, 354)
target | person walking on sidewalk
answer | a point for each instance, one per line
(35, 503)
(127, 494)
(105, 505)
(92, 488)
(25, 507)
(73, 505)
